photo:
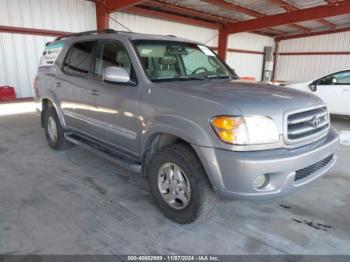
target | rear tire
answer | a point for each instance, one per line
(179, 184)
(53, 130)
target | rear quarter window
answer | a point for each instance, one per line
(79, 58)
(50, 54)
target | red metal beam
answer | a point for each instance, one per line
(244, 10)
(274, 31)
(332, 1)
(289, 7)
(234, 7)
(327, 23)
(32, 31)
(181, 10)
(118, 5)
(160, 5)
(222, 47)
(315, 53)
(284, 5)
(300, 28)
(324, 32)
(171, 17)
(243, 51)
(292, 17)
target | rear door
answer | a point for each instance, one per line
(334, 90)
(75, 84)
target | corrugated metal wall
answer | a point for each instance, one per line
(149, 25)
(305, 67)
(247, 64)
(20, 54)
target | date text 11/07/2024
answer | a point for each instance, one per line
(173, 258)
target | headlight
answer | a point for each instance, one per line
(245, 130)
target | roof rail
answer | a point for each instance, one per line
(103, 31)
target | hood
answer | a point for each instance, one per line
(249, 98)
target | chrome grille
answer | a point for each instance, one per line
(307, 171)
(306, 124)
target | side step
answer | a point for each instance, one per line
(105, 152)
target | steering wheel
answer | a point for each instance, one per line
(198, 69)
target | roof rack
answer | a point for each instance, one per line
(103, 31)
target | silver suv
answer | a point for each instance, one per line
(171, 109)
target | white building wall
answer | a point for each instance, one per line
(142, 24)
(305, 67)
(20, 54)
(250, 65)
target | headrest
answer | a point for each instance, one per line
(167, 60)
(122, 57)
(151, 50)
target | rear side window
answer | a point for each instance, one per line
(79, 58)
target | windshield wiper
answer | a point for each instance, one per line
(186, 78)
(193, 77)
(217, 77)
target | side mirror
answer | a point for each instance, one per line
(313, 87)
(115, 74)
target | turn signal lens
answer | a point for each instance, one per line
(227, 127)
(224, 123)
(226, 136)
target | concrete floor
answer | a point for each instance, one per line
(74, 202)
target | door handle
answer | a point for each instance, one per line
(94, 92)
(58, 84)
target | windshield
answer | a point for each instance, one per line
(179, 61)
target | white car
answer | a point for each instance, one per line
(333, 89)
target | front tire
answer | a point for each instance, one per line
(53, 130)
(179, 185)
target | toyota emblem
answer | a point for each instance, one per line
(316, 122)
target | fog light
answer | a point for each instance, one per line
(261, 181)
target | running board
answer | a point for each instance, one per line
(107, 153)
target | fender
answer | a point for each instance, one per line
(188, 131)
(51, 96)
(178, 126)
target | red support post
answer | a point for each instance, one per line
(102, 16)
(223, 39)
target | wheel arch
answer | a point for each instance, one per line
(47, 102)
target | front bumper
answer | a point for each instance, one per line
(232, 173)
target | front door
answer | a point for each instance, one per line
(116, 116)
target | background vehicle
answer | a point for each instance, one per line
(172, 108)
(333, 89)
